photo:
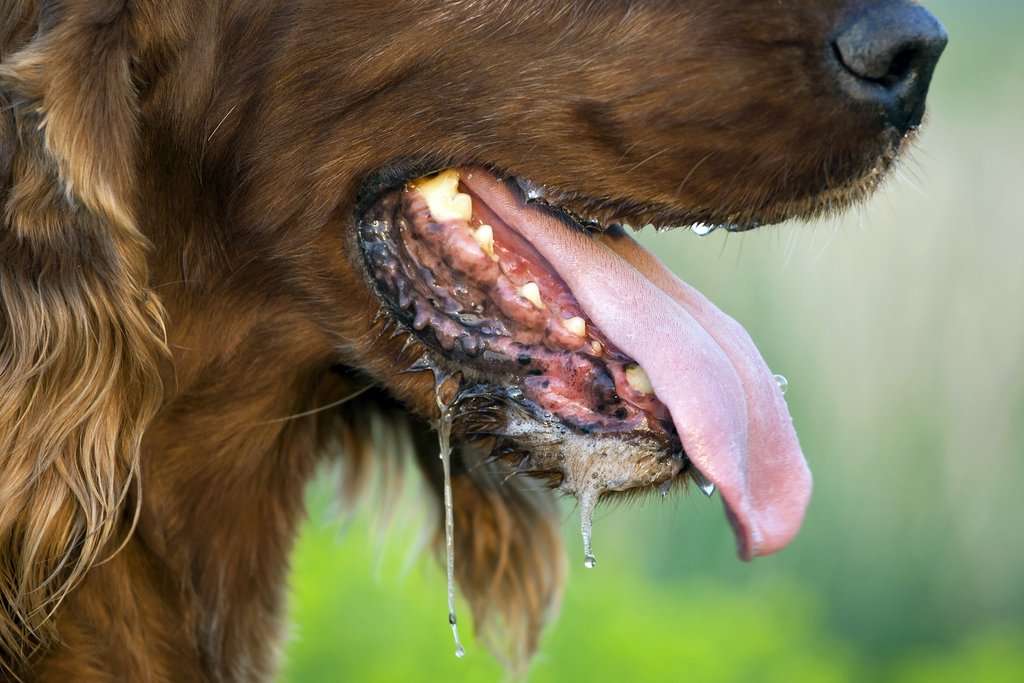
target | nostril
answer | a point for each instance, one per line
(887, 54)
(899, 67)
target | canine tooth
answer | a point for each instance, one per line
(484, 236)
(443, 198)
(577, 326)
(462, 206)
(531, 292)
(638, 379)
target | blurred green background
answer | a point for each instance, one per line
(901, 331)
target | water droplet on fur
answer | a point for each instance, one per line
(782, 382)
(444, 432)
(702, 229)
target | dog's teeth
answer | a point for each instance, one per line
(577, 326)
(638, 379)
(484, 236)
(531, 292)
(462, 206)
(443, 198)
(596, 348)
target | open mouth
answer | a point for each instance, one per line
(616, 374)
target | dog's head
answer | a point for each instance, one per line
(443, 186)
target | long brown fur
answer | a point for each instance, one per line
(181, 293)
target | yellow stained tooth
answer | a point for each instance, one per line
(462, 206)
(638, 379)
(484, 236)
(446, 182)
(577, 326)
(596, 347)
(531, 292)
(443, 198)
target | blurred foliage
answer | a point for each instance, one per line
(901, 330)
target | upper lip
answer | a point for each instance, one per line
(600, 213)
(578, 210)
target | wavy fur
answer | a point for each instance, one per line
(185, 324)
(80, 332)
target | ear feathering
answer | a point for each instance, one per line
(81, 334)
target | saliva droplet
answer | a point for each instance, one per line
(460, 651)
(702, 229)
(782, 382)
(444, 431)
(705, 486)
(587, 499)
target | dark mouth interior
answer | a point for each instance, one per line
(545, 324)
(481, 297)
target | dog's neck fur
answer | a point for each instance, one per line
(197, 591)
(201, 571)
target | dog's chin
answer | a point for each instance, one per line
(840, 190)
(579, 357)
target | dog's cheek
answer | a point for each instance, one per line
(366, 340)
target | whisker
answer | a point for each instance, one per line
(335, 404)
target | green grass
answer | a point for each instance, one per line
(363, 612)
(901, 330)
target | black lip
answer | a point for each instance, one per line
(574, 211)
(503, 373)
(393, 176)
(399, 172)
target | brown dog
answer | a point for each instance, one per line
(218, 220)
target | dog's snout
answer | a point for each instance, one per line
(886, 55)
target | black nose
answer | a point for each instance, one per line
(887, 54)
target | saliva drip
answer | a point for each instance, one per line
(705, 486)
(783, 383)
(588, 500)
(702, 229)
(444, 432)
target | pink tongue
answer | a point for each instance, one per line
(725, 403)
